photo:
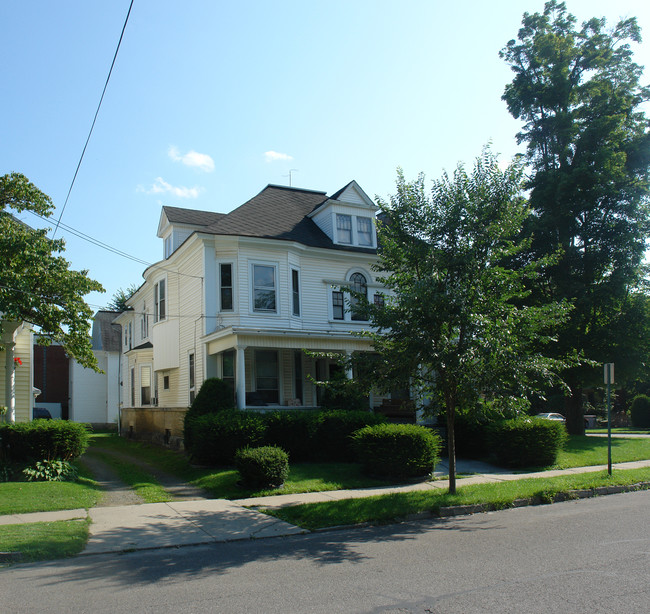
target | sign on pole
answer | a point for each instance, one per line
(608, 373)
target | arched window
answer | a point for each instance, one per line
(359, 284)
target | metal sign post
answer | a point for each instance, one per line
(609, 380)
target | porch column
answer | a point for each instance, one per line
(240, 377)
(10, 373)
(348, 370)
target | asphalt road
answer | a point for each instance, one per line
(589, 556)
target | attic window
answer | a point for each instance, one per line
(168, 246)
(344, 228)
(364, 231)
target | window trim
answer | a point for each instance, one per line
(157, 315)
(338, 229)
(232, 287)
(168, 245)
(296, 295)
(191, 376)
(369, 220)
(142, 403)
(276, 281)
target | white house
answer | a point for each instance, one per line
(240, 296)
(95, 397)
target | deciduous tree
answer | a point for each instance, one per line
(578, 92)
(36, 283)
(453, 323)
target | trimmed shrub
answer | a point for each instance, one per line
(213, 396)
(345, 394)
(43, 440)
(640, 412)
(332, 437)
(397, 450)
(265, 467)
(293, 431)
(527, 442)
(215, 438)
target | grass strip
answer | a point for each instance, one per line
(389, 508)
(142, 482)
(41, 541)
(26, 497)
(583, 451)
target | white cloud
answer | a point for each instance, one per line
(273, 156)
(160, 186)
(192, 158)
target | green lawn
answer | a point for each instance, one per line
(388, 508)
(41, 541)
(620, 430)
(583, 451)
(25, 497)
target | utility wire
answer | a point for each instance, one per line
(94, 120)
(114, 250)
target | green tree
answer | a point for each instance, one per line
(118, 301)
(578, 93)
(453, 324)
(36, 284)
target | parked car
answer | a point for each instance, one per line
(42, 413)
(551, 416)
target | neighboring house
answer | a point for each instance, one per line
(69, 390)
(16, 383)
(95, 397)
(240, 296)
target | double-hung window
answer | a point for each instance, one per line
(145, 385)
(191, 377)
(225, 286)
(144, 322)
(344, 228)
(338, 312)
(159, 301)
(264, 290)
(364, 231)
(295, 292)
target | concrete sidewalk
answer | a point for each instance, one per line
(181, 523)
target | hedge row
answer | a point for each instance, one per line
(213, 439)
(43, 440)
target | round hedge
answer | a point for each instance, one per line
(640, 412)
(397, 450)
(264, 467)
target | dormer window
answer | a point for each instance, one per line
(168, 246)
(344, 228)
(364, 231)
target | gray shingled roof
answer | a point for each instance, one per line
(106, 335)
(193, 217)
(279, 212)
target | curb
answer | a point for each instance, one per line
(467, 510)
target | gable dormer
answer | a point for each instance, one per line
(177, 224)
(348, 218)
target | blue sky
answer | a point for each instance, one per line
(209, 101)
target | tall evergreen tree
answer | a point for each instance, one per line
(578, 92)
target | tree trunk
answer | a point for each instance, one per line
(575, 420)
(451, 446)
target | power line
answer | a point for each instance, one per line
(95, 118)
(114, 250)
